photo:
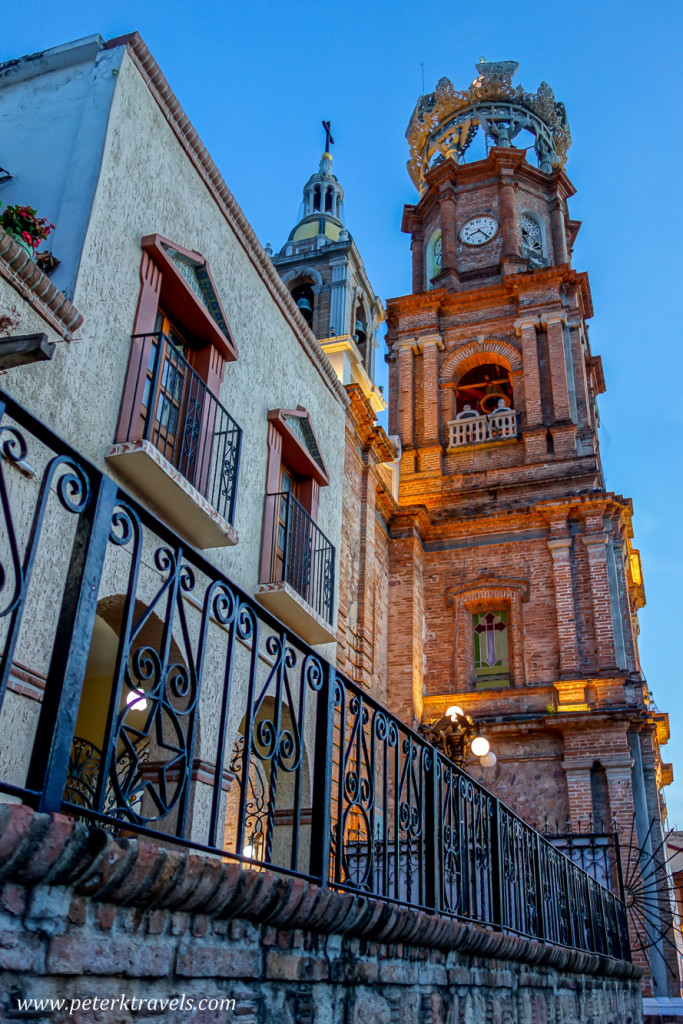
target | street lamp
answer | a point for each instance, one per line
(454, 732)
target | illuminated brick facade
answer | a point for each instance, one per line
(503, 510)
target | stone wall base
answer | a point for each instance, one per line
(116, 927)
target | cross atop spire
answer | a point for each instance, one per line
(329, 141)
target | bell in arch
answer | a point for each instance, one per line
(492, 397)
(303, 298)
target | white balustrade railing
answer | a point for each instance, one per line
(499, 426)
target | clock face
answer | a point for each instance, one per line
(479, 230)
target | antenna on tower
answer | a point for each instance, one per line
(422, 65)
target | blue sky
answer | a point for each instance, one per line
(256, 79)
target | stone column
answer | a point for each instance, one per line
(526, 330)
(595, 540)
(508, 216)
(558, 365)
(449, 240)
(558, 233)
(560, 544)
(417, 247)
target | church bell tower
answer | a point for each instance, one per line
(515, 584)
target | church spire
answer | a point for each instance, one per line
(322, 192)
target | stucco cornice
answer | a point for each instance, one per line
(197, 152)
(17, 267)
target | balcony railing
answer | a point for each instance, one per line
(302, 556)
(204, 722)
(175, 411)
(500, 425)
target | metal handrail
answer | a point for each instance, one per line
(350, 796)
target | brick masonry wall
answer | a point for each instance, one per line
(83, 915)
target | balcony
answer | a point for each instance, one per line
(300, 584)
(470, 428)
(177, 444)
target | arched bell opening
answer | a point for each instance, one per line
(304, 299)
(484, 389)
(360, 330)
(316, 199)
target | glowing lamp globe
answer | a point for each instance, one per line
(453, 711)
(480, 746)
(136, 700)
(488, 760)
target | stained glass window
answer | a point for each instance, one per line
(491, 646)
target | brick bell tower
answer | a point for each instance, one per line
(511, 565)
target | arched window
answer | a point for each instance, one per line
(316, 198)
(434, 262)
(329, 197)
(533, 239)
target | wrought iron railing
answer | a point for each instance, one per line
(236, 737)
(174, 409)
(301, 554)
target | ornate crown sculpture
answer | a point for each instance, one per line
(445, 122)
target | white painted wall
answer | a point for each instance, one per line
(144, 183)
(147, 184)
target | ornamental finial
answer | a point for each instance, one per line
(446, 121)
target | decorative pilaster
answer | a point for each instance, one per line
(526, 330)
(558, 233)
(430, 387)
(559, 545)
(448, 235)
(339, 297)
(595, 540)
(417, 247)
(405, 392)
(558, 365)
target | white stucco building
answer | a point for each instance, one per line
(181, 368)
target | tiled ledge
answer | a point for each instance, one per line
(17, 267)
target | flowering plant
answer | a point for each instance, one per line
(24, 222)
